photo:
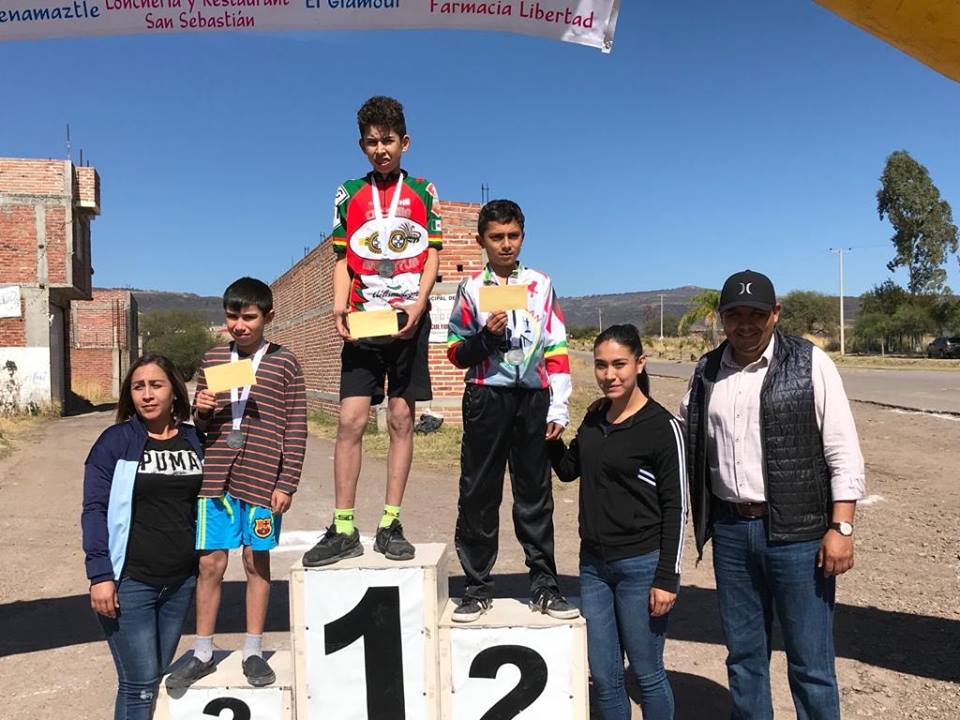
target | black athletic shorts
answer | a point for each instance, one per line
(404, 364)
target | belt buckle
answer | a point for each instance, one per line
(751, 510)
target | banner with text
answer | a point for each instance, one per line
(586, 22)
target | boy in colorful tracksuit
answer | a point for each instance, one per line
(517, 390)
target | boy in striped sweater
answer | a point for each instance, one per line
(255, 442)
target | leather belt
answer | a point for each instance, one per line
(747, 509)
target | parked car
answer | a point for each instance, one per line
(944, 347)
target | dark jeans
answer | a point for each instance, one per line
(504, 426)
(615, 600)
(754, 578)
(143, 639)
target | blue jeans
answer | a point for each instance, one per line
(754, 578)
(615, 598)
(143, 638)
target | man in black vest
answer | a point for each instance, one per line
(775, 473)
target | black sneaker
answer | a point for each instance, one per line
(391, 542)
(187, 674)
(257, 672)
(470, 609)
(552, 603)
(333, 546)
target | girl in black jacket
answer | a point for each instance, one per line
(629, 456)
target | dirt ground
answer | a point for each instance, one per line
(897, 620)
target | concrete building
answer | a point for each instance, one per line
(46, 208)
(104, 336)
(303, 301)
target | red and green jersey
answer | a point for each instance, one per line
(385, 271)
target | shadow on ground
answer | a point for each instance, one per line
(918, 645)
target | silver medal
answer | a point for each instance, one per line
(515, 356)
(235, 439)
(386, 268)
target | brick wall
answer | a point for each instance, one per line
(43, 204)
(303, 301)
(104, 341)
(18, 244)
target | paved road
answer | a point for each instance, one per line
(927, 390)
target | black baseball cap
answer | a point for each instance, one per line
(750, 289)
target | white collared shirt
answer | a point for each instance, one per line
(734, 450)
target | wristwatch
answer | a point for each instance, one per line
(843, 527)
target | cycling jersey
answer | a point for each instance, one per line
(385, 250)
(532, 352)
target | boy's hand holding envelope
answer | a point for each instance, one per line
(221, 378)
(205, 402)
(497, 322)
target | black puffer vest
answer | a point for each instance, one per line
(796, 475)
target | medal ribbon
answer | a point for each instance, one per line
(238, 399)
(384, 222)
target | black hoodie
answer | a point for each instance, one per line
(633, 487)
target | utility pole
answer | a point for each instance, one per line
(839, 253)
(600, 317)
(661, 318)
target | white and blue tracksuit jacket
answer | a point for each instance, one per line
(109, 475)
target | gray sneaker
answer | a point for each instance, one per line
(333, 546)
(470, 609)
(391, 542)
(550, 602)
(187, 674)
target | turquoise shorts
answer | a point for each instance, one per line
(225, 523)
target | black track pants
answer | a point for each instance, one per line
(502, 425)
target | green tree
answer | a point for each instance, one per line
(898, 320)
(806, 312)
(651, 325)
(705, 306)
(924, 233)
(182, 335)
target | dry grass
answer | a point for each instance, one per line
(91, 391)
(893, 362)
(442, 448)
(14, 427)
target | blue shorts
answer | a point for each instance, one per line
(225, 523)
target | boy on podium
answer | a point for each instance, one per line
(513, 345)
(386, 236)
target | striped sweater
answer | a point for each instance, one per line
(274, 426)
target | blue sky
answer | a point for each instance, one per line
(716, 136)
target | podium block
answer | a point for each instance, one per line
(365, 636)
(513, 663)
(227, 689)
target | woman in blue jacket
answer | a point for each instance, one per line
(140, 488)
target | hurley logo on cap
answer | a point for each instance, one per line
(748, 288)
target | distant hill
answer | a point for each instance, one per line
(640, 307)
(210, 306)
(632, 307)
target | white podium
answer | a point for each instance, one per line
(373, 639)
(513, 663)
(365, 636)
(227, 689)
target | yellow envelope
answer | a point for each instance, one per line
(373, 323)
(230, 375)
(503, 297)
